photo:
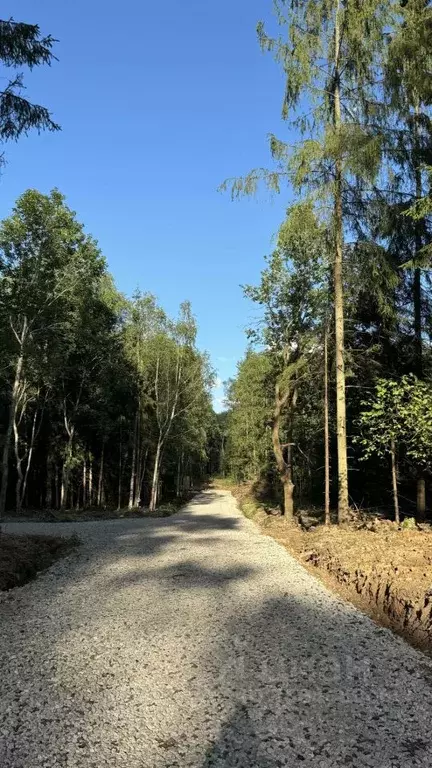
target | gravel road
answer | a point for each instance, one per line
(195, 641)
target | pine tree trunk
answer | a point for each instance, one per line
(343, 502)
(11, 420)
(155, 481)
(326, 435)
(394, 481)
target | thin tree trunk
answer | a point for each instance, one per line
(100, 480)
(57, 487)
(155, 481)
(66, 471)
(120, 473)
(48, 494)
(77, 503)
(29, 457)
(90, 482)
(140, 477)
(63, 490)
(421, 498)
(18, 461)
(284, 467)
(11, 420)
(137, 490)
(394, 481)
(222, 457)
(289, 486)
(343, 502)
(178, 481)
(132, 480)
(326, 434)
(418, 345)
(417, 292)
(417, 299)
(84, 482)
(133, 467)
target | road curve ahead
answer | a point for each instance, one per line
(195, 641)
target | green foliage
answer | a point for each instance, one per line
(250, 402)
(409, 524)
(293, 297)
(22, 45)
(90, 379)
(400, 412)
(304, 49)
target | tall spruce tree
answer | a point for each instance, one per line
(331, 52)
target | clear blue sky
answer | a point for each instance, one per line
(159, 102)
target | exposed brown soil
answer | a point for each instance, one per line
(23, 556)
(383, 569)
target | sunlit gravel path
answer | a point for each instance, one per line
(195, 641)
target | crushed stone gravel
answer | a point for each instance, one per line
(195, 641)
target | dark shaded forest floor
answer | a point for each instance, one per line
(383, 569)
(97, 513)
(23, 556)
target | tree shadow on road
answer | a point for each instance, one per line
(311, 682)
(269, 671)
(185, 575)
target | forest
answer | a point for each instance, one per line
(105, 400)
(331, 405)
